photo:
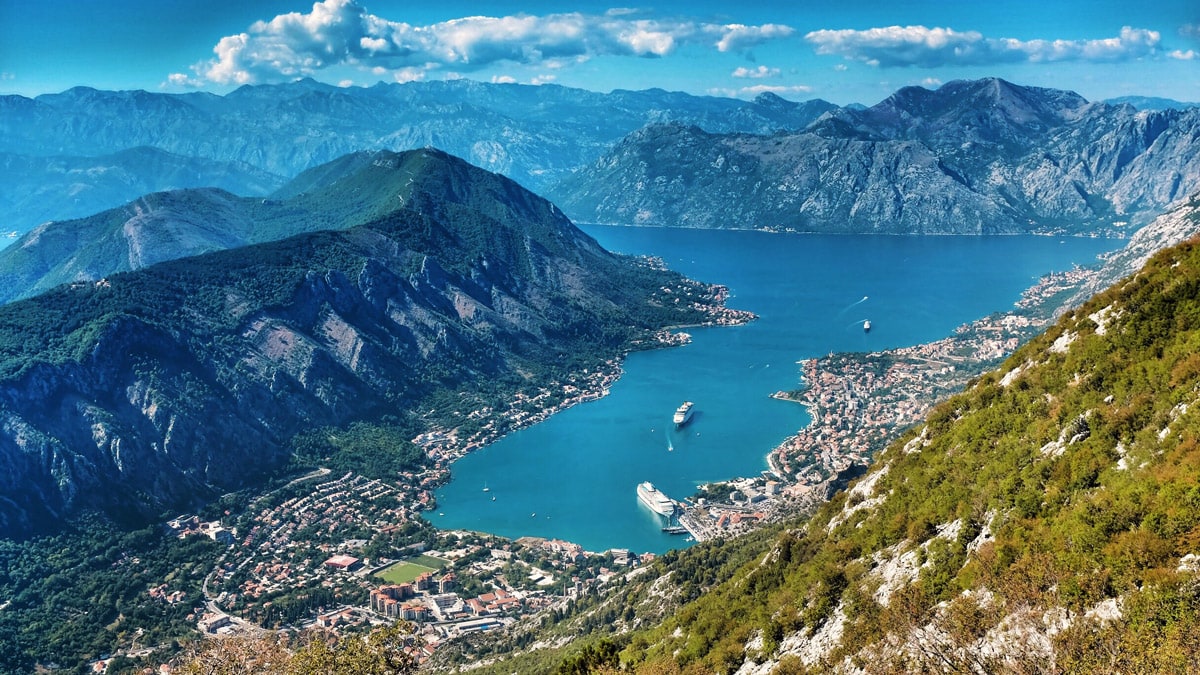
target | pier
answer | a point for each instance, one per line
(694, 527)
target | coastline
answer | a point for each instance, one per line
(445, 446)
(857, 404)
(860, 402)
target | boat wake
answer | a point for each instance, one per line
(852, 305)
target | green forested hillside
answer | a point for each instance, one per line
(356, 190)
(1045, 520)
(459, 291)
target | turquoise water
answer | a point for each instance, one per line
(574, 476)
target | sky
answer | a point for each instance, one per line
(843, 51)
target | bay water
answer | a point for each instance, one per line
(574, 476)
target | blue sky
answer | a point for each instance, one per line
(839, 50)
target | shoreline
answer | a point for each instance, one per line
(1118, 235)
(857, 402)
(444, 446)
(860, 402)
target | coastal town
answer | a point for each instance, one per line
(860, 402)
(338, 552)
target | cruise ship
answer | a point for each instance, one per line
(683, 413)
(655, 500)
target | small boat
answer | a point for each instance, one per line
(493, 497)
(867, 326)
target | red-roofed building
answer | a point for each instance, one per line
(343, 562)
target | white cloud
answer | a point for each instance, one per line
(403, 75)
(182, 80)
(1189, 55)
(1190, 30)
(756, 73)
(342, 32)
(346, 84)
(737, 37)
(503, 79)
(543, 79)
(931, 82)
(7, 76)
(900, 46)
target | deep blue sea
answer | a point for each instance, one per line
(574, 476)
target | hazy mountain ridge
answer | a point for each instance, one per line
(980, 156)
(1151, 102)
(40, 189)
(109, 389)
(531, 134)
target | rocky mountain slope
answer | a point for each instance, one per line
(152, 389)
(1041, 521)
(531, 134)
(971, 157)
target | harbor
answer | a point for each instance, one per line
(577, 469)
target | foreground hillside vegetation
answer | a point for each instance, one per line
(1045, 520)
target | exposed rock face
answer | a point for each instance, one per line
(982, 156)
(532, 134)
(1170, 229)
(152, 389)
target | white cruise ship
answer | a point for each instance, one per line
(655, 500)
(683, 413)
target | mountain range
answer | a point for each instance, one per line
(154, 389)
(971, 157)
(267, 134)
(982, 156)
(1152, 102)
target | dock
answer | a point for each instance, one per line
(688, 522)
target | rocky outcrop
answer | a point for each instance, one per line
(971, 157)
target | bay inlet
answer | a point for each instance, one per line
(574, 476)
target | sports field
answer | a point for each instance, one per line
(405, 571)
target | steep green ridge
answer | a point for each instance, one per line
(345, 193)
(1045, 520)
(450, 302)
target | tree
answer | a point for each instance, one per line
(389, 650)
